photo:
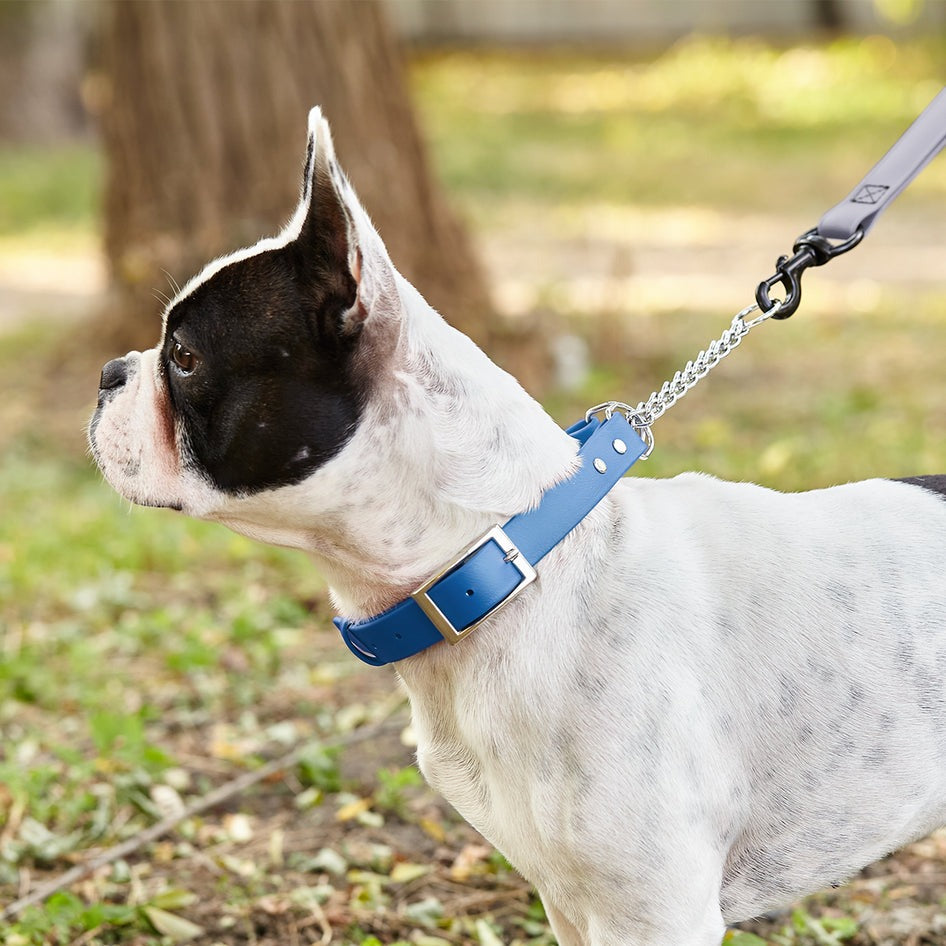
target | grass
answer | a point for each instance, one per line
(145, 659)
(710, 121)
(49, 196)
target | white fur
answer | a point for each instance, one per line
(715, 699)
(136, 444)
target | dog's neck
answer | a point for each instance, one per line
(448, 446)
(453, 445)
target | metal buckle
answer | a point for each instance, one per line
(451, 634)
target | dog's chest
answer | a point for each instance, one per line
(512, 772)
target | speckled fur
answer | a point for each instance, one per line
(716, 698)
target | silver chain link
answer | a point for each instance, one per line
(642, 417)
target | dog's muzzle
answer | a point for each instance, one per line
(115, 375)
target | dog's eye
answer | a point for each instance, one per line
(185, 359)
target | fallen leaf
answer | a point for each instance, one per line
(485, 934)
(163, 852)
(242, 867)
(311, 897)
(353, 809)
(433, 829)
(222, 747)
(274, 904)
(167, 800)
(426, 911)
(350, 717)
(173, 898)
(365, 877)
(238, 828)
(308, 798)
(175, 927)
(421, 939)
(371, 819)
(330, 861)
(469, 861)
(405, 872)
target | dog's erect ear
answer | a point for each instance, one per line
(339, 253)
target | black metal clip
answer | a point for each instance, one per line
(810, 249)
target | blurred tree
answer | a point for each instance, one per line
(829, 16)
(42, 47)
(203, 115)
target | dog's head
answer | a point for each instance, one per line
(262, 372)
(303, 393)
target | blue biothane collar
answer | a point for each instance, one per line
(501, 563)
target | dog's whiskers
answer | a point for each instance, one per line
(173, 282)
(161, 296)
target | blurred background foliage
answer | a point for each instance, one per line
(622, 199)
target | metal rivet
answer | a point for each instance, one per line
(600, 465)
(619, 446)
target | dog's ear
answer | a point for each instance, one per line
(340, 259)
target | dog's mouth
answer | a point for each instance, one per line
(154, 504)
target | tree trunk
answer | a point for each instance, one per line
(204, 123)
(829, 16)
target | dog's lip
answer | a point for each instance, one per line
(157, 504)
(148, 502)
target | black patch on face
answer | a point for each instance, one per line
(272, 396)
(936, 484)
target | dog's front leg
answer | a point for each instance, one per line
(614, 924)
(612, 929)
(565, 931)
(603, 933)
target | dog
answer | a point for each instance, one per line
(714, 699)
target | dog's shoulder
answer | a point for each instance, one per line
(936, 484)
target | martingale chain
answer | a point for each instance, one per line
(642, 417)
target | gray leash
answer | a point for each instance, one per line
(915, 148)
(848, 221)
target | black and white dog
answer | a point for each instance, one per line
(714, 699)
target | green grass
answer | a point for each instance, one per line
(726, 123)
(80, 573)
(811, 402)
(49, 196)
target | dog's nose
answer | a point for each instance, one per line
(114, 374)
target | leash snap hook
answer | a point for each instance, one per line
(788, 272)
(810, 249)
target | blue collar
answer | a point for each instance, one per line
(500, 564)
